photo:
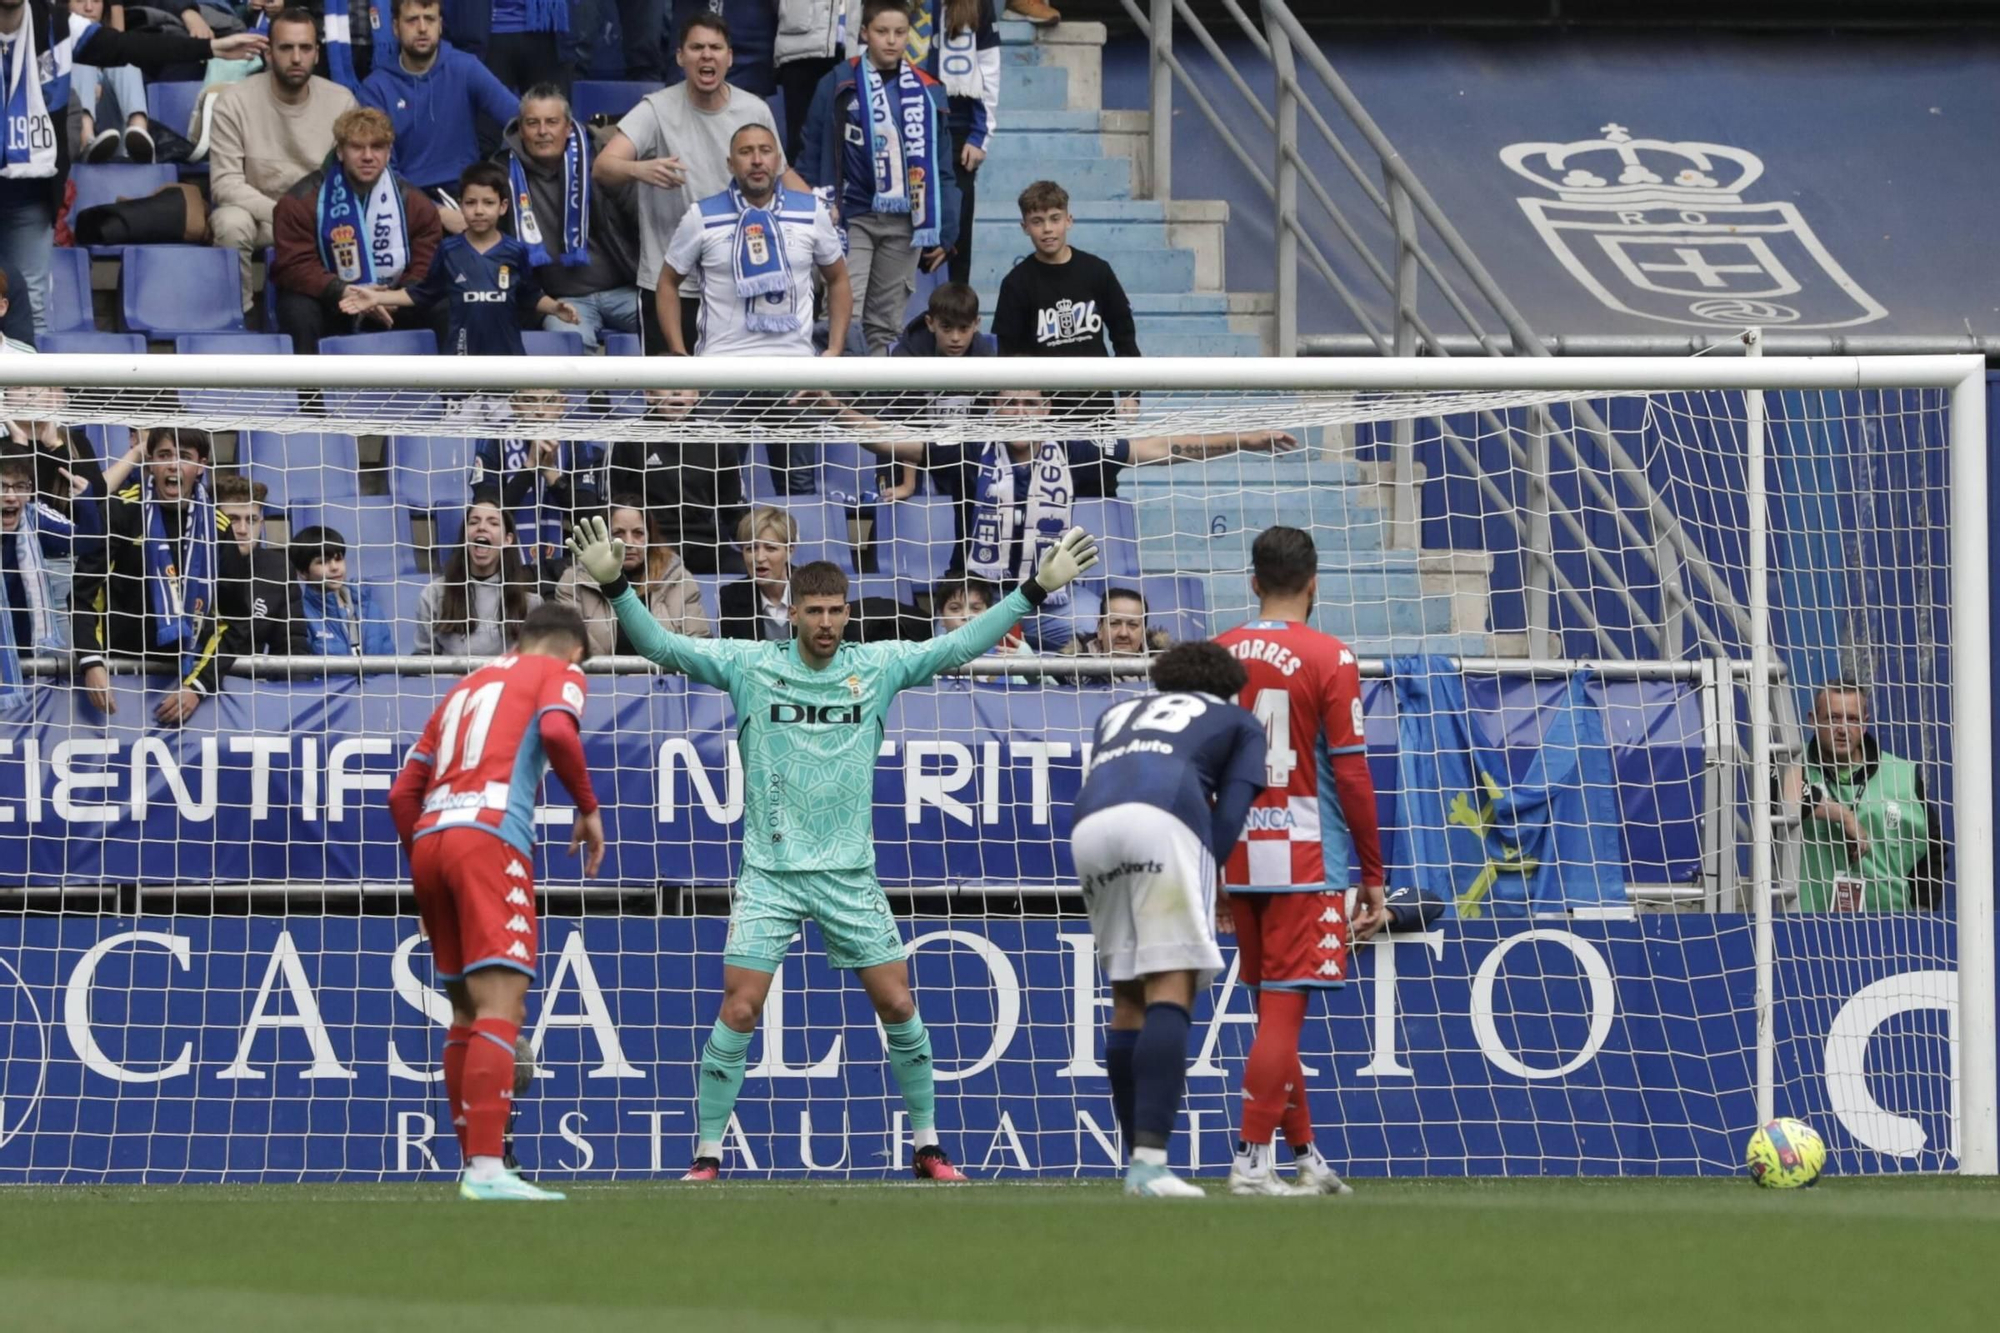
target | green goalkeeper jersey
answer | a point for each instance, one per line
(809, 739)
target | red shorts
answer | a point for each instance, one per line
(1290, 939)
(476, 896)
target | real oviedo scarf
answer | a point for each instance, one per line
(903, 144)
(575, 204)
(362, 239)
(1001, 516)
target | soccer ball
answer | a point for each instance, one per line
(1786, 1154)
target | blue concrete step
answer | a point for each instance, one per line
(1015, 144)
(1083, 177)
(1169, 343)
(1156, 270)
(1095, 235)
(1042, 120)
(1029, 86)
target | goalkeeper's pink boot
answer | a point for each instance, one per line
(705, 1169)
(932, 1164)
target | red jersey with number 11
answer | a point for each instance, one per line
(1319, 804)
(484, 747)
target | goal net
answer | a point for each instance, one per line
(1675, 676)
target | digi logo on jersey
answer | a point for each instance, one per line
(848, 715)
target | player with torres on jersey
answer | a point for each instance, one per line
(1288, 875)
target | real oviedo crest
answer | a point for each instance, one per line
(1660, 229)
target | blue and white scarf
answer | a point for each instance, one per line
(44, 539)
(1001, 518)
(576, 204)
(905, 156)
(340, 39)
(538, 524)
(362, 240)
(762, 266)
(180, 576)
(29, 149)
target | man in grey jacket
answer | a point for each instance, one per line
(582, 234)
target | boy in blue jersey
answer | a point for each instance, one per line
(486, 275)
(1172, 775)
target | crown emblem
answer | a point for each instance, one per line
(1620, 168)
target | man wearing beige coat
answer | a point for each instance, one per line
(266, 133)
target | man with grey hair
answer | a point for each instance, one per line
(582, 235)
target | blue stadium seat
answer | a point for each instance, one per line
(172, 105)
(399, 598)
(69, 292)
(621, 344)
(918, 535)
(110, 441)
(430, 471)
(847, 473)
(380, 545)
(822, 532)
(711, 601)
(389, 342)
(95, 343)
(108, 182)
(1178, 604)
(168, 290)
(301, 469)
(234, 344)
(611, 97)
(540, 342)
(1116, 527)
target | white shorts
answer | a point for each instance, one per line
(1149, 883)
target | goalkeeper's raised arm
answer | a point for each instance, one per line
(1066, 559)
(602, 557)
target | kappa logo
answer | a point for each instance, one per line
(1325, 941)
(516, 898)
(515, 870)
(1330, 968)
(519, 925)
(517, 950)
(1330, 914)
(1659, 229)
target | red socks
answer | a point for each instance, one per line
(1298, 1117)
(488, 1083)
(1271, 1078)
(455, 1041)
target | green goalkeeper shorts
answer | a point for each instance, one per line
(852, 911)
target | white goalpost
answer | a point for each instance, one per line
(1595, 647)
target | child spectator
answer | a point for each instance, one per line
(658, 578)
(544, 481)
(486, 277)
(760, 606)
(957, 601)
(341, 619)
(277, 624)
(955, 42)
(890, 170)
(1060, 301)
(949, 327)
(87, 88)
(476, 606)
(37, 569)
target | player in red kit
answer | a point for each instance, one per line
(464, 807)
(1288, 876)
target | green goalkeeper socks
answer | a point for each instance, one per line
(721, 1079)
(910, 1057)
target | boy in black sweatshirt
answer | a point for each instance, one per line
(1060, 301)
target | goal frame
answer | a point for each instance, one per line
(1962, 377)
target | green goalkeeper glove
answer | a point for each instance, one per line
(601, 555)
(1073, 554)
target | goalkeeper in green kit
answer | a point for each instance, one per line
(809, 720)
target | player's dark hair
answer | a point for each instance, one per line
(1200, 667)
(489, 174)
(454, 614)
(181, 437)
(557, 625)
(1284, 560)
(955, 304)
(818, 578)
(709, 19)
(873, 9)
(314, 543)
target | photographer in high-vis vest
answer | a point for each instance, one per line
(1873, 842)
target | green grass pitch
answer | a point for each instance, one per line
(1690, 1256)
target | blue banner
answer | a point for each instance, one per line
(283, 784)
(303, 1048)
